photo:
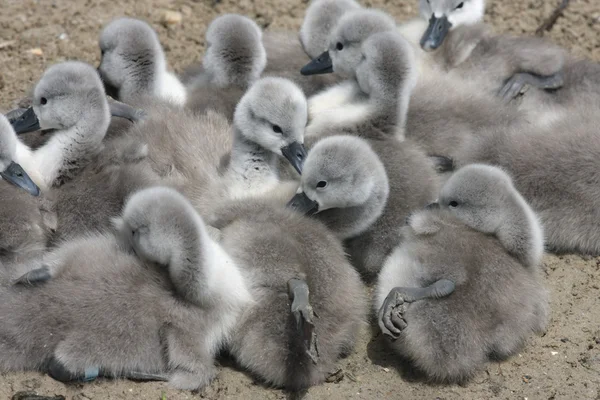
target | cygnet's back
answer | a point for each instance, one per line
(235, 58)
(465, 286)
(555, 168)
(295, 268)
(118, 306)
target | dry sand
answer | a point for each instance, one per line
(563, 364)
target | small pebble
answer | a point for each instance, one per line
(171, 18)
(36, 51)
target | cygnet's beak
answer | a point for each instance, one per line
(122, 110)
(16, 175)
(432, 206)
(301, 203)
(295, 154)
(109, 89)
(26, 122)
(320, 65)
(436, 33)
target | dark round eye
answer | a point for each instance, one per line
(460, 5)
(101, 52)
(321, 184)
(339, 46)
(43, 100)
(453, 204)
(277, 129)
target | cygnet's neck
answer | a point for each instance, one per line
(521, 232)
(151, 78)
(70, 149)
(350, 222)
(250, 162)
(206, 275)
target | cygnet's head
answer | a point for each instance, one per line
(234, 51)
(444, 15)
(479, 195)
(345, 42)
(160, 225)
(273, 113)
(484, 198)
(10, 171)
(320, 19)
(341, 172)
(130, 49)
(68, 94)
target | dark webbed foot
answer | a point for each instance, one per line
(122, 110)
(304, 314)
(35, 277)
(57, 371)
(391, 314)
(518, 83)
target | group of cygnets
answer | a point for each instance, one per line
(244, 205)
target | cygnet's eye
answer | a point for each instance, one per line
(453, 204)
(102, 52)
(321, 184)
(43, 101)
(339, 46)
(460, 6)
(277, 129)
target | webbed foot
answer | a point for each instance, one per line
(304, 315)
(35, 277)
(122, 110)
(391, 314)
(519, 82)
(58, 371)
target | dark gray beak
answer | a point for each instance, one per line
(320, 65)
(296, 154)
(432, 206)
(301, 203)
(14, 115)
(110, 90)
(18, 177)
(26, 122)
(122, 110)
(436, 33)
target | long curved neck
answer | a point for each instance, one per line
(72, 148)
(141, 76)
(391, 103)
(350, 222)
(521, 233)
(204, 274)
(249, 160)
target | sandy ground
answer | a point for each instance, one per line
(563, 364)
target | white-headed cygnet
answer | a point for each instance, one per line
(465, 286)
(234, 59)
(156, 300)
(544, 80)
(133, 65)
(309, 303)
(556, 169)
(345, 185)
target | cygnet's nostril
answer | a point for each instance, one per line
(300, 155)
